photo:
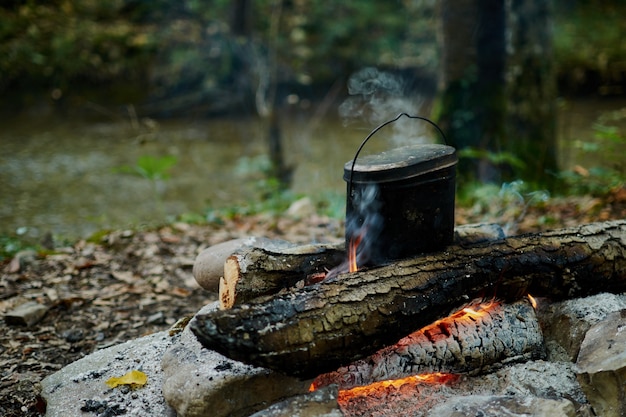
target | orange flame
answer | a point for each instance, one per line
(435, 378)
(354, 244)
(533, 302)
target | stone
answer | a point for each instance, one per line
(81, 386)
(26, 314)
(602, 365)
(565, 323)
(319, 403)
(208, 267)
(472, 234)
(200, 382)
(301, 208)
(500, 406)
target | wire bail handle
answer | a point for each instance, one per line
(445, 141)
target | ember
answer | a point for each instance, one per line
(436, 378)
(471, 340)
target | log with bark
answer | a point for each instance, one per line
(472, 341)
(318, 328)
(255, 271)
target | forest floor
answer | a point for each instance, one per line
(133, 283)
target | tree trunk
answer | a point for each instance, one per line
(531, 89)
(472, 103)
(498, 90)
(320, 327)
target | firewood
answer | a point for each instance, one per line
(471, 341)
(321, 327)
(255, 271)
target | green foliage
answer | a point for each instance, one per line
(495, 158)
(10, 244)
(506, 204)
(57, 42)
(596, 181)
(588, 36)
(609, 142)
(270, 194)
(153, 168)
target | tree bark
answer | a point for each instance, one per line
(471, 342)
(498, 89)
(253, 272)
(321, 327)
(472, 100)
(531, 89)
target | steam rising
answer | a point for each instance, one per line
(377, 96)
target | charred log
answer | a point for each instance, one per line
(471, 341)
(321, 327)
(252, 272)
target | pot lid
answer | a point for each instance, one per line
(401, 163)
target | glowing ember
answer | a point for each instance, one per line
(436, 378)
(474, 313)
(533, 302)
(354, 244)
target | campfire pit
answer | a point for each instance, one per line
(320, 327)
(345, 330)
(382, 320)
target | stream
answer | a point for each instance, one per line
(66, 177)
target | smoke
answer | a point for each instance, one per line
(364, 224)
(377, 96)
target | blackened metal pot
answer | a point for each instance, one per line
(400, 202)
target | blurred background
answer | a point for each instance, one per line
(131, 113)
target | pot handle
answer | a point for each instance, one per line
(445, 141)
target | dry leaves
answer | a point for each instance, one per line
(135, 283)
(100, 294)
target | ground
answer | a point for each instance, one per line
(130, 283)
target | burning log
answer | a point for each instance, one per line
(473, 340)
(321, 327)
(256, 271)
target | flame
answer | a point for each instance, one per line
(354, 244)
(533, 302)
(434, 378)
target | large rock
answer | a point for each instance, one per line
(319, 403)
(602, 365)
(565, 323)
(499, 406)
(81, 386)
(200, 382)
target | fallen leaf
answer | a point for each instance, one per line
(133, 378)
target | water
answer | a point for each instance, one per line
(62, 176)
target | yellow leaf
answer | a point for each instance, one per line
(133, 378)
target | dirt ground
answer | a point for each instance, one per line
(133, 283)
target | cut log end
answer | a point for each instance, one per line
(228, 283)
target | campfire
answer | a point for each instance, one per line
(380, 330)
(411, 304)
